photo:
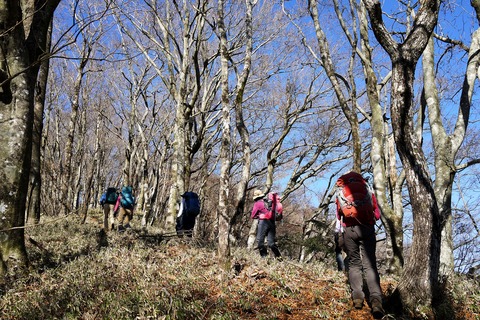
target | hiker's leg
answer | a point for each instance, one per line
(179, 225)
(275, 251)
(121, 215)
(261, 233)
(355, 278)
(339, 258)
(338, 251)
(189, 224)
(106, 212)
(111, 217)
(346, 262)
(369, 262)
(128, 217)
(271, 237)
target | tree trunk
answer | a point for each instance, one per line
(419, 281)
(446, 146)
(180, 156)
(67, 185)
(240, 123)
(394, 224)
(178, 167)
(89, 185)
(419, 284)
(22, 44)
(35, 183)
(392, 212)
(223, 216)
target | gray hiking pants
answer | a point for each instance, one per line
(360, 243)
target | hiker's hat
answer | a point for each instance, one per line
(257, 194)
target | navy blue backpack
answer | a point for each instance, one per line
(192, 204)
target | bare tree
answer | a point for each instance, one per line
(347, 103)
(224, 218)
(419, 283)
(66, 186)
(446, 146)
(35, 183)
(387, 185)
(177, 35)
(24, 43)
(311, 154)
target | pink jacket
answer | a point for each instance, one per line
(117, 204)
(259, 211)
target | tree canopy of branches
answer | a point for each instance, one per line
(223, 97)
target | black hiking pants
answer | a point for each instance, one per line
(267, 229)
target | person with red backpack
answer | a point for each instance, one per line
(357, 210)
(266, 224)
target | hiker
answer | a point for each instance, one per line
(339, 246)
(357, 209)
(124, 205)
(108, 200)
(266, 225)
(187, 213)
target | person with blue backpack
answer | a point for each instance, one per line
(125, 204)
(108, 201)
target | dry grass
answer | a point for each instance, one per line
(76, 274)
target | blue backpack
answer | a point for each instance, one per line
(128, 200)
(111, 196)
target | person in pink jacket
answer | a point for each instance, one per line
(266, 225)
(125, 204)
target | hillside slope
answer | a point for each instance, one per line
(76, 273)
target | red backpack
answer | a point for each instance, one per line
(354, 198)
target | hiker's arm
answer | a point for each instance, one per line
(182, 206)
(117, 204)
(254, 214)
(339, 211)
(258, 210)
(103, 198)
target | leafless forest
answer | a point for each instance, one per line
(224, 97)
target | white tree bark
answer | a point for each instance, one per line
(447, 146)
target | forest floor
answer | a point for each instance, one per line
(77, 273)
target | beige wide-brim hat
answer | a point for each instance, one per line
(257, 194)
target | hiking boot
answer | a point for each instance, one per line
(121, 228)
(358, 303)
(377, 309)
